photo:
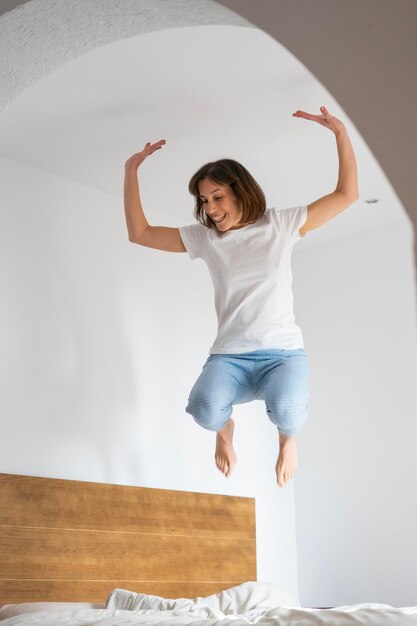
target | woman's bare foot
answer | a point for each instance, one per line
(287, 460)
(225, 455)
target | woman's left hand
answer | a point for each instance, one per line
(325, 119)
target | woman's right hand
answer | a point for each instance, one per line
(136, 159)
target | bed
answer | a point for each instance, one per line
(78, 553)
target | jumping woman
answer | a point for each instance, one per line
(259, 351)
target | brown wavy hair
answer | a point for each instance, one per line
(247, 191)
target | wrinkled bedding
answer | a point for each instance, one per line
(250, 603)
(361, 614)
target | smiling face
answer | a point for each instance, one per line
(220, 204)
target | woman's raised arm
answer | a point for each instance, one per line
(138, 227)
(346, 193)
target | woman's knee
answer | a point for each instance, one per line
(288, 415)
(208, 412)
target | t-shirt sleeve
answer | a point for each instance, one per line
(194, 239)
(292, 219)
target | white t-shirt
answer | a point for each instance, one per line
(251, 272)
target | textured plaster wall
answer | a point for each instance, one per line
(39, 36)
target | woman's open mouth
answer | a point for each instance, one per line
(220, 219)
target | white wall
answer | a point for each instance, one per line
(102, 341)
(356, 506)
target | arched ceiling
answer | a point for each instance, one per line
(49, 38)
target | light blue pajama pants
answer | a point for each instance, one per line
(280, 377)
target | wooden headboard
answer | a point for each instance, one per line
(65, 540)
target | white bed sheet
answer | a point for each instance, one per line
(360, 614)
(250, 603)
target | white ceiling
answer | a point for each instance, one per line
(211, 92)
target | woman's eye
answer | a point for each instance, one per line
(219, 198)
